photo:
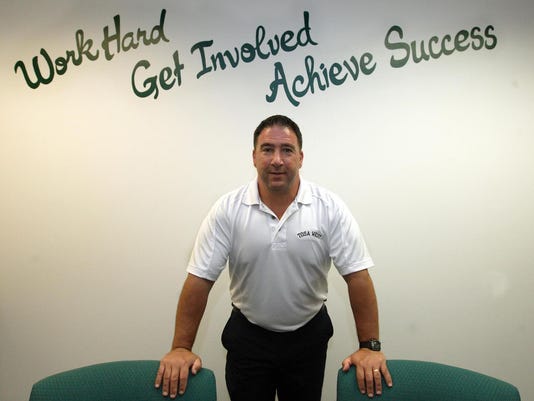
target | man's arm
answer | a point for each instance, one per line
(370, 365)
(174, 367)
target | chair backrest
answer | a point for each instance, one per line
(430, 381)
(118, 381)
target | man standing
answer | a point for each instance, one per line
(279, 235)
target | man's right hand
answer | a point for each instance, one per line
(174, 370)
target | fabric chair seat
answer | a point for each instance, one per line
(118, 381)
(430, 381)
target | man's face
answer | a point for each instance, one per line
(277, 158)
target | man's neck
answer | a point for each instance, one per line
(278, 202)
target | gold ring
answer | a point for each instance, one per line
(376, 370)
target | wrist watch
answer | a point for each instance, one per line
(372, 344)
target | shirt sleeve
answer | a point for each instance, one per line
(212, 244)
(348, 250)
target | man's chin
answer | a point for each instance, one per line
(278, 186)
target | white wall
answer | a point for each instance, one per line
(102, 191)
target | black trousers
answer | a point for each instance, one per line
(261, 363)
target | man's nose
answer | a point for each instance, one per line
(277, 158)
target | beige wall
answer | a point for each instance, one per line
(102, 191)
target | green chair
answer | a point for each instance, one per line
(429, 381)
(118, 381)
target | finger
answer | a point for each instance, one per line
(183, 375)
(370, 382)
(360, 379)
(378, 381)
(345, 365)
(159, 375)
(166, 379)
(197, 365)
(175, 377)
(387, 375)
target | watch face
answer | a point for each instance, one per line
(374, 345)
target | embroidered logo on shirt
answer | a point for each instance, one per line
(308, 234)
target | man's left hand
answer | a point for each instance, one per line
(370, 367)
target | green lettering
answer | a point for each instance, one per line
(280, 80)
(394, 62)
(460, 39)
(489, 35)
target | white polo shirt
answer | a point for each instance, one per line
(278, 268)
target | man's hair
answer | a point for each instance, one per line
(282, 121)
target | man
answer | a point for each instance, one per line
(279, 235)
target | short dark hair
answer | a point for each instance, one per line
(282, 121)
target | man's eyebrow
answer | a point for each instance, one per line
(283, 145)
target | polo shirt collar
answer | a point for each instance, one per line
(252, 195)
